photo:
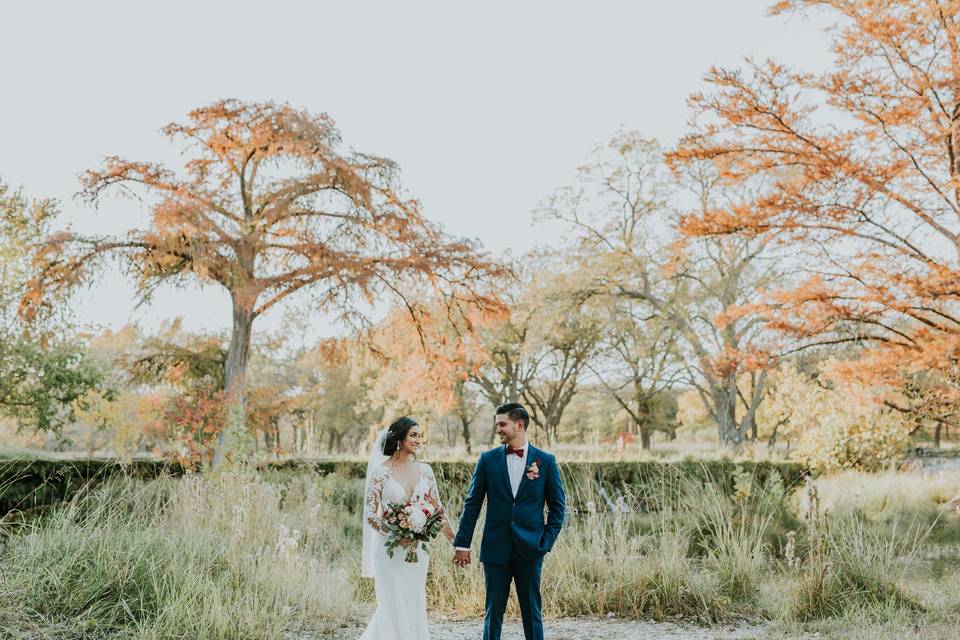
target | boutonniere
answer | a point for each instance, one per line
(533, 470)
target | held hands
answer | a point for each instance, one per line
(461, 558)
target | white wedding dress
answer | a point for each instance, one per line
(400, 585)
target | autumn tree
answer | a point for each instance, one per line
(728, 341)
(191, 421)
(193, 366)
(933, 401)
(505, 370)
(426, 361)
(23, 223)
(325, 390)
(538, 353)
(267, 409)
(171, 356)
(269, 205)
(831, 421)
(127, 420)
(861, 165)
(565, 339)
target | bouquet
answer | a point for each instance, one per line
(413, 519)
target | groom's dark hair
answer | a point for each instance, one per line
(516, 411)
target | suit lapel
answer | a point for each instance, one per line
(501, 459)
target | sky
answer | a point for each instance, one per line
(487, 107)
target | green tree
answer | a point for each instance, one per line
(539, 353)
(638, 365)
(45, 374)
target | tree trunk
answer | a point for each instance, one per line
(269, 442)
(936, 435)
(549, 426)
(314, 437)
(726, 403)
(235, 372)
(465, 423)
(644, 437)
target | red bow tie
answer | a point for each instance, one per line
(519, 451)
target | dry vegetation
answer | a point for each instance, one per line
(252, 556)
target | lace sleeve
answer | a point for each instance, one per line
(373, 502)
(433, 493)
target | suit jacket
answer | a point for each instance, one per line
(513, 523)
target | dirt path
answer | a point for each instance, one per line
(584, 629)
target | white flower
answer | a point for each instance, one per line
(417, 519)
(287, 542)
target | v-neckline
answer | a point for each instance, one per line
(403, 488)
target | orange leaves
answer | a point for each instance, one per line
(269, 205)
(54, 270)
(859, 168)
(175, 373)
(781, 7)
(429, 354)
(191, 422)
(742, 218)
(231, 131)
(730, 361)
(265, 406)
(734, 313)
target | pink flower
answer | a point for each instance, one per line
(533, 470)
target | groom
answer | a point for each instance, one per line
(518, 480)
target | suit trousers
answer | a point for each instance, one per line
(525, 575)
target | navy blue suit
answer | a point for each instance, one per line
(515, 535)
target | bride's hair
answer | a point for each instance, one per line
(396, 432)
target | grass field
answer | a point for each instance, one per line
(246, 557)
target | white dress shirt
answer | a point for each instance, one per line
(515, 467)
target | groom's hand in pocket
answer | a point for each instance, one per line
(461, 558)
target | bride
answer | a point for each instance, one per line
(393, 474)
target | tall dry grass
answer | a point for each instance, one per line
(256, 556)
(851, 566)
(900, 502)
(235, 558)
(698, 555)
